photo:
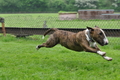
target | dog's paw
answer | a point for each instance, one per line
(101, 53)
(107, 58)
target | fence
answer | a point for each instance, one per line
(29, 21)
(29, 24)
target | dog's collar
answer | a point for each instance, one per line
(88, 36)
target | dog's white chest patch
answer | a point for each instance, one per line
(92, 44)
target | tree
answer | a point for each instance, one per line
(10, 5)
(118, 5)
(108, 4)
(34, 5)
(56, 5)
(83, 4)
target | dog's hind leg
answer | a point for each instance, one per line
(39, 46)
(51, 42)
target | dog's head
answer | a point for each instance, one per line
(98, 35)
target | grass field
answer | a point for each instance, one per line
(19, 60)
(37, 20)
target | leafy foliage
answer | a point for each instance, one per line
(56, 5)
(86, 3)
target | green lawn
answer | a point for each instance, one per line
(19, 60)
(36, 20)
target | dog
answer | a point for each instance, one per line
(82, 41)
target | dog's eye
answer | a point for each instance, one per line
(101, 33)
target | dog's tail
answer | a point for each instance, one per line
(49, 30)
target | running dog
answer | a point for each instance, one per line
(82, 41)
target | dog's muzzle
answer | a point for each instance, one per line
(105, 41)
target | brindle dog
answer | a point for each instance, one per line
(81, 41)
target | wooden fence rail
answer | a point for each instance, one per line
(22, 32)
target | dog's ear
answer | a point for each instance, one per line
(90, 29)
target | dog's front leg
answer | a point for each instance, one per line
(94, 50)
(104, 56)
(87, 48)
(107, 58)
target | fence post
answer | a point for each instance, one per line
(3, 26)
(45, 25)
